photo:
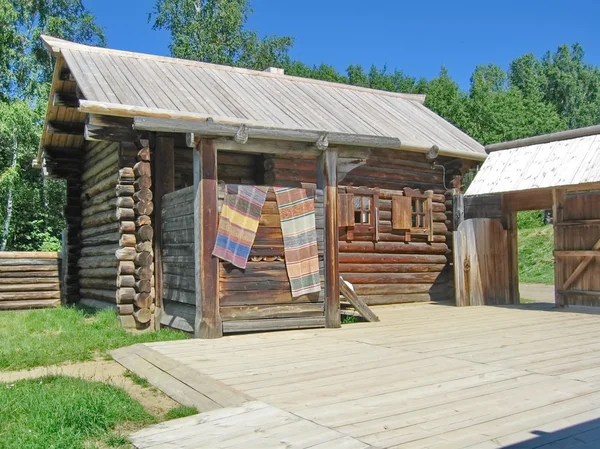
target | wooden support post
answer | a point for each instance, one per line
(559, 196)
(509, 222)
(208, 322)
(327, 180)
(163, 177)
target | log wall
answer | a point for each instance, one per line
(390, 270)
(109, 235)
(29, 280)
(232, 168)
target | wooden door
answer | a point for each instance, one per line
(577, 249)
(481, 263)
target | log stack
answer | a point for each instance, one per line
(143, 304)
(29, 280)
(106, 265)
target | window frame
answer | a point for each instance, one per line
(425, 215)
(372, 227)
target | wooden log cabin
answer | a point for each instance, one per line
(148, 144)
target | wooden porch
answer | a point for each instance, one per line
(426, 376)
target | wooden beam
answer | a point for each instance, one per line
(360, 306)
(163, 180)
(581, 267)
(545, 138)
(509, 222)
(67, 100)
(559, 196)
(113, 129)
(211, 128)
(577, 253)
(327, 180)
(71, 128)
(66, 75)
(208, 319)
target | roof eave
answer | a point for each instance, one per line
(160, 120)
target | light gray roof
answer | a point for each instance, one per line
(153, 85)
(573, 162)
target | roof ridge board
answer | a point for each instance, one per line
(55, 45)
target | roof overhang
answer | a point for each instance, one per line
(161, 120)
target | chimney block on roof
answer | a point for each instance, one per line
(276, 70)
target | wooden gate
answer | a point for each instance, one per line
(577, 249)
(481, 263)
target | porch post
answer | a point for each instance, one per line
(509, 222)
(327, 180)
(163, 161)
(208, 322)
(559, 196)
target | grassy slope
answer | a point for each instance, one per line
(63, 412)
(51, 336)
(536, 246)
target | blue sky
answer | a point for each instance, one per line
(415, 37)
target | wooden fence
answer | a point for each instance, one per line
(29, 280)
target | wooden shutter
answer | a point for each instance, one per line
(345, 210)
(401, 212)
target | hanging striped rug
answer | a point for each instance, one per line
(238, 223)
(297, 215)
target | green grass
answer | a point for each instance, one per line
(137, 379)
(536, 263)
(180, 412)
(51, 336)
(349, 319)
(62, 412)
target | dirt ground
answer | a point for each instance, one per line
(537, 292)
(107, 371)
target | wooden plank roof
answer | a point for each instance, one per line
(148, 85)
(573, 163)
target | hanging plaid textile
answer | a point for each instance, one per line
(297, 215)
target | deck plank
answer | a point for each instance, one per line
(425, 376)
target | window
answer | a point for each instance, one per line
(358, 213)
(419, 216)
(413, 213)
(362, 209)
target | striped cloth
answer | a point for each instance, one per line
(238, 223)
(297, 214)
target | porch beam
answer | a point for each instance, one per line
(208, 322)
(327, 180)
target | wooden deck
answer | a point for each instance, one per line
(426, 376)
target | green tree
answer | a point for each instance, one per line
(213, 31)
(23, 53)
(572, 86)
(30, 206)
(445, 98)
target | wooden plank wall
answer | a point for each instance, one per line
(579, 230)
(262, 290)
(179, 285)
(29, 280)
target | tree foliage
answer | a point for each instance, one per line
(35, 204)
(213, 31)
